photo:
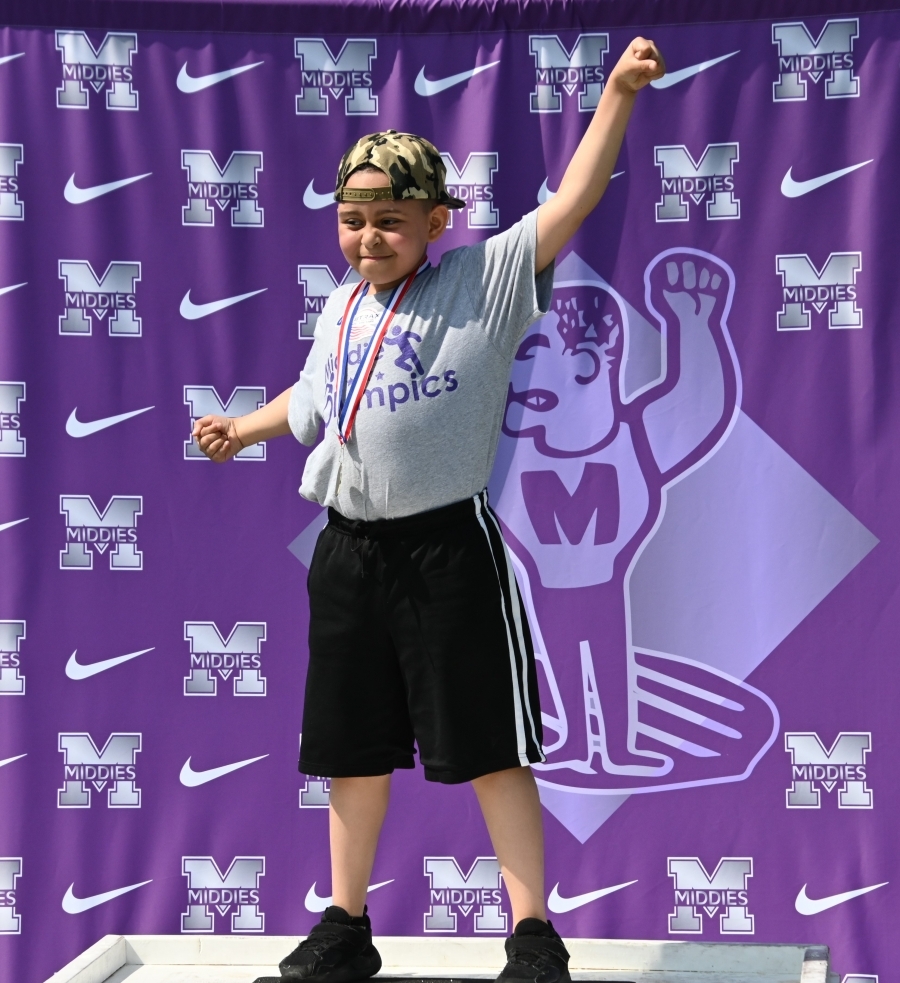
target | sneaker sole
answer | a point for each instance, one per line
(361, 967)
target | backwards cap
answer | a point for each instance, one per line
(412, 164)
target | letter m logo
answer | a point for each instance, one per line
(205, 400)
(12, 395)
(87, 526)
(86, 767)
(223, 185)
(209, 889)
(695, 889)
(813, 762)
(84, 290)
(10, 871)
(709, 177)
(321, 74)
(318, 282)
(212, 655)
(450, 887)
(477, 172)
(108, 65)
(803, 286)
(556, 513)
(11, 157)
(12, 682)
(556, 68)
(800, 54)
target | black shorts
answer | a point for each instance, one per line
(418, 634)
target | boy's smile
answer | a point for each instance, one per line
(384, 241)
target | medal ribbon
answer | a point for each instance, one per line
(350, 397)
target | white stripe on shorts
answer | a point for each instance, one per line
(521, 739)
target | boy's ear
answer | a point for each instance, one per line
(437, 222)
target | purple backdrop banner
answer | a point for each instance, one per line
(697, 476)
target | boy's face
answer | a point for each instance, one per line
(384, 241)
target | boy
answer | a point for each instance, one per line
(417, 631)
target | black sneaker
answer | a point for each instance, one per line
(536, 954)
(337, 950)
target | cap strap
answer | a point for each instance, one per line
(364, 194)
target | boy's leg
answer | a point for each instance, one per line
(355, 817)
(339, 949)
(512, 810)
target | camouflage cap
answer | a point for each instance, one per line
(412, 164)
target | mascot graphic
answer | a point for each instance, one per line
(599, 424)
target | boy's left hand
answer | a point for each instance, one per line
(640, 64)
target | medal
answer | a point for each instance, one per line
(351, 396)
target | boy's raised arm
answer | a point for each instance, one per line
(592, 163)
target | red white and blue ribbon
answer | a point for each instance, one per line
(351, 396)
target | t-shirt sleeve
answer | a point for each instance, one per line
(303, 418)
(501, 281)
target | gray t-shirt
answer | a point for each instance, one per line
(427, 428)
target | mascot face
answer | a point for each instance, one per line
(563, 390)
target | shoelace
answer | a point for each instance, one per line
(318, 943)
(527, 957)
(530, 953)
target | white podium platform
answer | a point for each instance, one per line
(241, 959)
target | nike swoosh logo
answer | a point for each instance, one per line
(74, 906)
(9, 761)
(794, 189)
(15, 286)
(7, 58)
(187, 83)
(673, 78)
(9, 525)
(314, 903)
(812, 906)
(559, 905)
(192, 778)
(429, 87)
(545, 194)
(78, 196)
(76, 670)
(75, 428)
(312, 199)
(193, 311)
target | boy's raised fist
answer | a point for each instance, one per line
(640, 64)
(217, 437)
